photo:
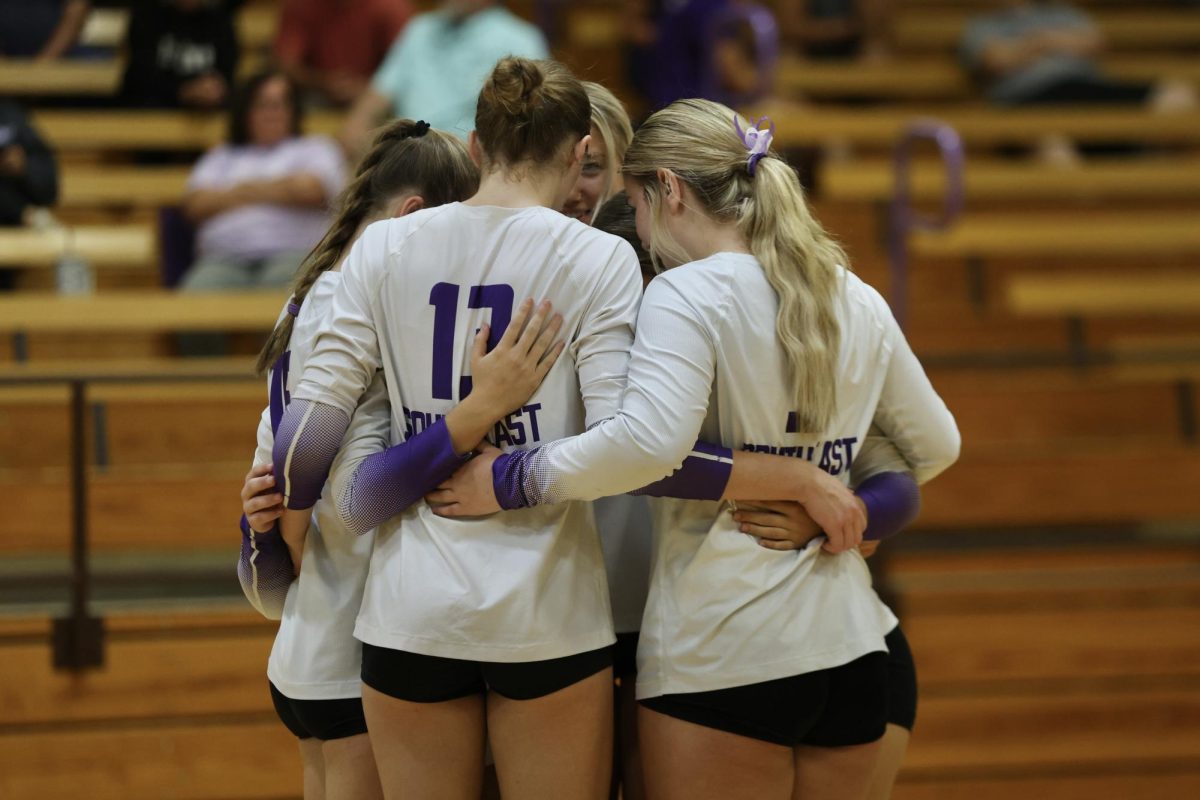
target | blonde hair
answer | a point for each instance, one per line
(696, 140)
(405, 155)
(611, 121)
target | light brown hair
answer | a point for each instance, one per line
(406, 156)
(528, 110)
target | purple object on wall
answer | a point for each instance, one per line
(177, 244)
(766, 50)
(904, 218)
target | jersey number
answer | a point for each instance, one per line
(444, 299)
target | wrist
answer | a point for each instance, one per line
(468, 423)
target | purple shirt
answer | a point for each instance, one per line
(262, 230)
(677, 61)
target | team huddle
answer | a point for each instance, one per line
(480, 348)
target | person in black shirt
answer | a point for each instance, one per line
(28, 173)
(182, 54)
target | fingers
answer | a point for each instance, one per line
(533, 330)
(263, 521)
(517, 324)
(264, 482)
(487, 448)
(546, 338)
(765, 518)
(781, 545)
(449, 510)
(479, 346)
(264, 501)
(545, 365)
(868, 548)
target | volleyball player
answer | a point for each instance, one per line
(760, 340)
(493, 627)
(315, 663)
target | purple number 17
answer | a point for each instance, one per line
(444, 299)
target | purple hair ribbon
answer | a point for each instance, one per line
(293, 309)
(758, 142)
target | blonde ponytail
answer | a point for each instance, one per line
(696, 140)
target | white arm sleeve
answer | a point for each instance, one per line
(346, 354)
(912, 415)
(671, 372)
(876, 455)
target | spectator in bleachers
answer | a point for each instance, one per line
(28, 172)
(331, 48)
(41, 29)
(437, 66)
(682, 54)
(182, 54)
(260, 201)
(838, 28)
(1033, 52)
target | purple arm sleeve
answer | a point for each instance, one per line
(702, 476)
(265, 570)
(893, 502)
(388, 482)
(306, 443)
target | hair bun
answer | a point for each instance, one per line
(517, 84)
(419, 129)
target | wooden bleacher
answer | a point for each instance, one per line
(141, 312)
(1048, 670)
(942, 79)
(1088, 295)
(996, 181)
(86, 186)
(1124, 29)
(126, 246)
(1106, 235)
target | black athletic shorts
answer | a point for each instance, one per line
(625, 655)
(834, 707)
(902, 681)
(432, 679)
(320, 719)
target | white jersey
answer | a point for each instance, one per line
(722, 610)
(315, 655)
(519, 587)
(626, 535)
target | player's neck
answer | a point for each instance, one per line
(531, 189)
(703, 241)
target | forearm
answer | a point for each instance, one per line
(265, 570)
(301, 190)
(892, 501)
(306, 443)
(204, 204)
(68, 30)
(386, 483)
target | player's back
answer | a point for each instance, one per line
(730, 611)
(520, 586)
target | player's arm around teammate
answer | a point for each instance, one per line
(740, 216)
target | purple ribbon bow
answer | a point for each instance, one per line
(756, 141)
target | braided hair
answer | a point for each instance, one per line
(406, 156)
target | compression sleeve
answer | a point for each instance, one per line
(703, 476)
(386, 483)
(305, 445)
(893, 502)
(671, 370)
(342, 365)
(265, 570)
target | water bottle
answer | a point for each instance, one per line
(73, 275)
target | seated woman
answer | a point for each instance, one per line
(259, 202)
(1031, 52)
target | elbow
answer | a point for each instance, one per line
(941, 454)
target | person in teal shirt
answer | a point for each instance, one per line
(437, 66)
